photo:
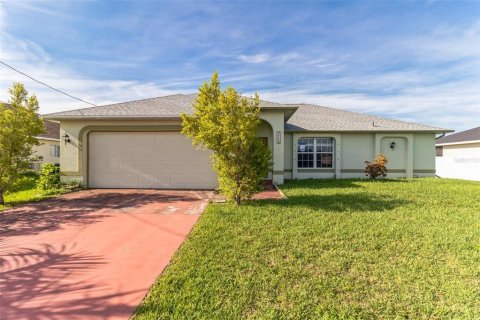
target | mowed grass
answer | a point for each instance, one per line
(25, 191)
(335, 249)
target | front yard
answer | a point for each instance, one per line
(333, 249)
(25, 190)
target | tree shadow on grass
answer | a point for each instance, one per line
(335, 203)
(77, 209)
(43, 284)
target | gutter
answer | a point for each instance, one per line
(441, 136)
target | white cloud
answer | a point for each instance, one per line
(31, 59)
(451, 106)
(256, 58)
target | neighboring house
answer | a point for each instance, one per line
(138, 144)
(49, 149)
(458, 155)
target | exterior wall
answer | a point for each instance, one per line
(424, 155)
(44, 150)
(288, 156)
(460, 162)
(276, 121)
(356, 149)
(73, 155)
(413, 155)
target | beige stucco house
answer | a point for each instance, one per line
(48, 150)
(138, 144)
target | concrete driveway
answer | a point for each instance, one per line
(91, 254)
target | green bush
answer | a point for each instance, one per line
(49, 177)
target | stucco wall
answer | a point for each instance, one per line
(288, 156)
(276, 121)
(460, 162)
(424, 155)
(356, 149)
(413, 155)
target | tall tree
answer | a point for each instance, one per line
(19, 124)
(226, 123)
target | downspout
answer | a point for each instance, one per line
(441, 136)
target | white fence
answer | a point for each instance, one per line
(458, 167)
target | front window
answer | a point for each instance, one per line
(315, 153)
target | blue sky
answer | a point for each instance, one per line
(414, 61)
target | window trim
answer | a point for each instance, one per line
(315, 167)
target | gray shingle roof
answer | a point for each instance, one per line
(310, 117)
(52, 130)
(463, 136)
(162, 107)
(306, 118)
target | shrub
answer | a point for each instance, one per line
(376, 168)
(226, 123)
(72, 186)
(49, 177)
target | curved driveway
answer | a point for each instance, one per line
(91, 254)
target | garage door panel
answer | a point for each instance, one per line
(160, 181)
(177, 181)
(145, 181)
(148, 160)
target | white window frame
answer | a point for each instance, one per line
(317, 142)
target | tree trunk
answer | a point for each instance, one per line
(1, 198)
(237, 200)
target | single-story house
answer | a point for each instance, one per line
(48, 151)
(138, 144)
(458, 155)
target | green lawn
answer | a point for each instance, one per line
(334, 249)
(25, 191)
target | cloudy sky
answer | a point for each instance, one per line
(415, 61)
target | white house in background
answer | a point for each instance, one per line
(458, 155)
(49, 149)
(138, 144)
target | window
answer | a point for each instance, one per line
(55, 151)
(315, 153)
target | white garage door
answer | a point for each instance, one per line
(147, 160)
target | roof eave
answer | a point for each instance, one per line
(457, 143)
(72, 117)
(373, 131)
